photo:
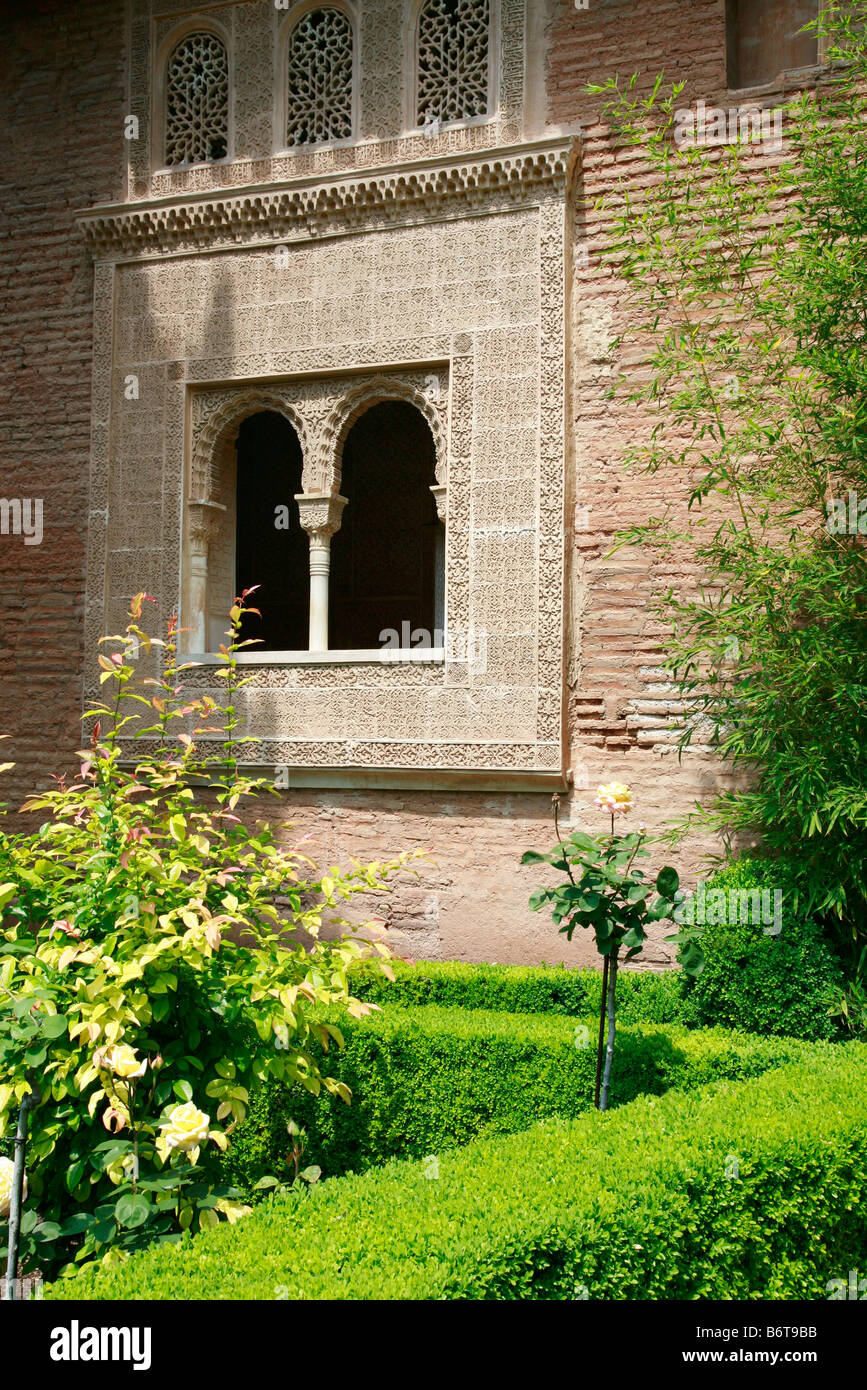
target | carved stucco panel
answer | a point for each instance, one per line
(477, 305)
(321, 412)
(257, 33)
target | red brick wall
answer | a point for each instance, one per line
(619, 704)
(62, 86)
(685, 39)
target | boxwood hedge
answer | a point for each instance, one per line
(428, 1078)
(750, 1189)
(769, 984)
(643, 996)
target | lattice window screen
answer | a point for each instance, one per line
(320, 79)
(197, 101)
(453, 56)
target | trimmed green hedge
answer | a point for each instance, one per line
(429, 1079)
(766, 984)
(643, 996)
(641, 1203)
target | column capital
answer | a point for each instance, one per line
(205, 518)
(440, 493)
(320, 513)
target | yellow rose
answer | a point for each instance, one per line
(122, 1061)
(7, 1168)
(614, 797)
(186, 1127)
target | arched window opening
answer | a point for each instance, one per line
(197, 101)
(319, 101)
(453, 60)
(387, 558)
(271, 548)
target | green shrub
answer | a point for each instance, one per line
(149, 982)
(766, 984)
(639, 1203)
(429, 1079)
(643, 996)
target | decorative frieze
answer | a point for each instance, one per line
(267, 214)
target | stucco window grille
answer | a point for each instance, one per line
(197, 101)
(320, 79)
(453, 60)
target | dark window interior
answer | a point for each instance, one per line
(269, 476)
(762, 39)
(383, 558)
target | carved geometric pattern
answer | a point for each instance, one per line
(216, 420)
(252, 35)
(352, 405)
(513, 180)
(320, 79)
(553, 328)
(445, 287)
(321, 411)
(272, 753)
(453, 47)
(381, 106)
(197, 101)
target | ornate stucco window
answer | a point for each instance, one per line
(453, 61)
(197, 100)
(330, 496)
(320, 67)
(340, 369)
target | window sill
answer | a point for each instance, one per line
(772, 85)
(220, 163)
(463, 123)
(386, 656)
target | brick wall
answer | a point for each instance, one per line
(620, 704)
(62, 86)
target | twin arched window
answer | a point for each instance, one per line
(453, 56)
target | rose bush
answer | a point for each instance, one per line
(610, 898)
(149, 981)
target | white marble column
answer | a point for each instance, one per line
(205, 518)
(320, 514)
(440, 493)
